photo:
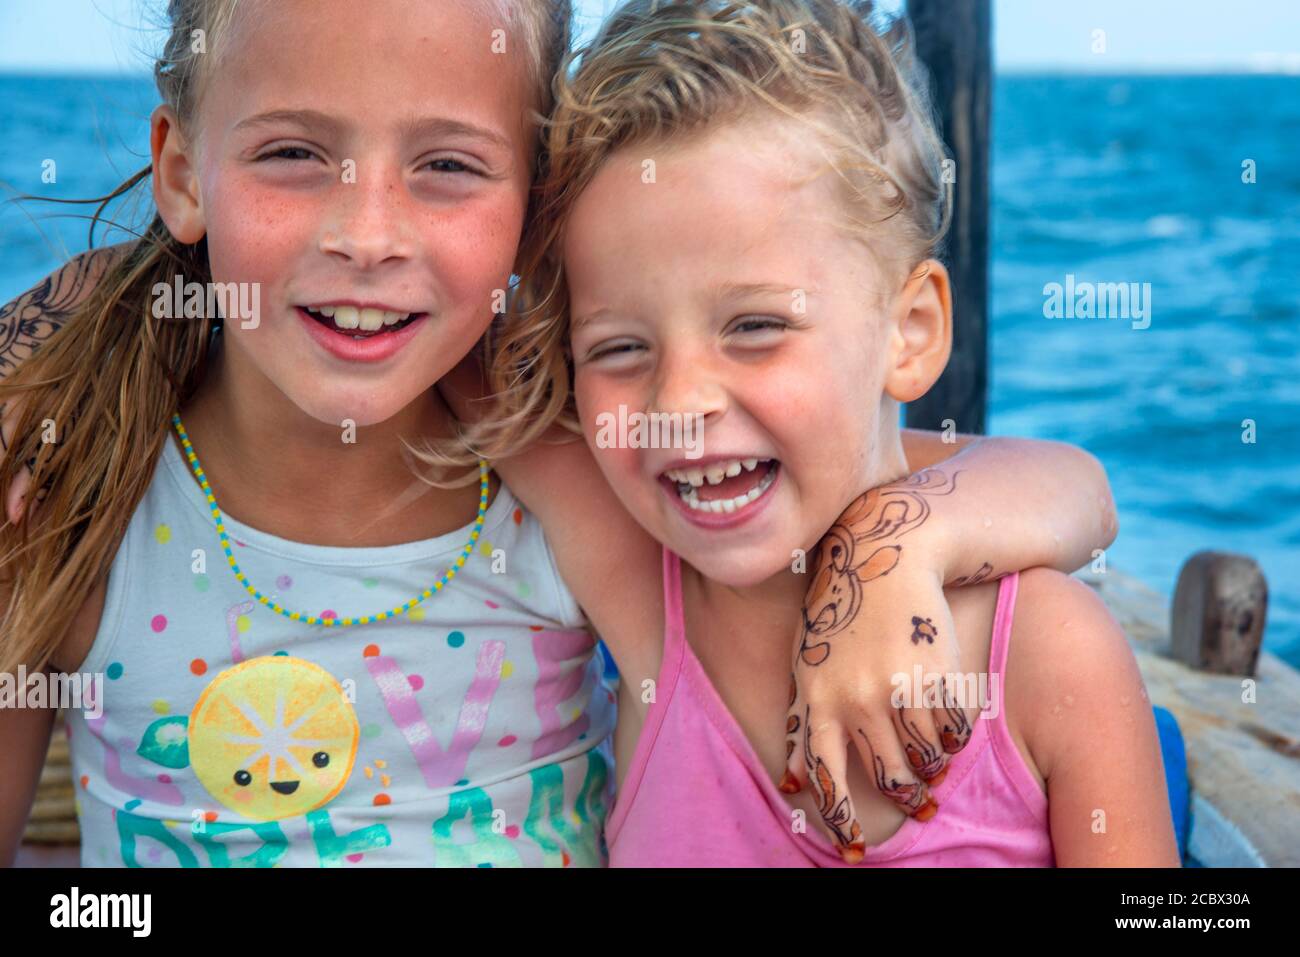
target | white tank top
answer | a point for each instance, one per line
(466, 732)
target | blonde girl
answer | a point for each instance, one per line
(777, 276)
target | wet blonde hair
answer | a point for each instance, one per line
(113, 375)
(661, 71)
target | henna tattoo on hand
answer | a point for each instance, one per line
(923, 630)
(845, 560)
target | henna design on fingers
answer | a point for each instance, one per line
(956, 729)
(835, 813)
(925, 759)
(914, 799)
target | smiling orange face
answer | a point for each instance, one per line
(273, 737)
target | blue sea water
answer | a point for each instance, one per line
(1107, 179)
(1140, 179)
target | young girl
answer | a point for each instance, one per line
(296, 701)
(739, 220)
(367, 192)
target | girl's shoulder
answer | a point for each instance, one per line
(1069, 668)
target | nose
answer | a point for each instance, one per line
(687, 382)
(372, 222)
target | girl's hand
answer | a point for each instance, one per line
(875, 626)
(875, 610)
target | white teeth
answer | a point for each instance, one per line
(714, 473)
(367, 320)
(725, 505)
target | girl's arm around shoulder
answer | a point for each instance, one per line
(609, 562)
(1074, 691)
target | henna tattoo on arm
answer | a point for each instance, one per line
(849, 555)
(980, 574)
(29, 321)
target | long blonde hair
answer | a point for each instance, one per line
(110, 379)
(661, 70)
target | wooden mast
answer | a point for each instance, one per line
(954, 40)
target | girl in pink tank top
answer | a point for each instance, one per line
(742, 212)
(695, 773)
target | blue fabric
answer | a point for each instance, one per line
(1175, 758)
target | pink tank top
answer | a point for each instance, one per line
(696, 794)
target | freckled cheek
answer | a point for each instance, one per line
(473, 251)
(255, 233)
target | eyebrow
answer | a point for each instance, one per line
(444, 126)
(304, 118)
(587, 318)
(735, 290)
(426, 126)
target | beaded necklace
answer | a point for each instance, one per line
(312, 619)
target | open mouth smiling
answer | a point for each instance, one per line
(722, 487)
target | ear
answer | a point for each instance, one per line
(175, 181)
(921, 332)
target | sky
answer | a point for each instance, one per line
(1138, 35)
